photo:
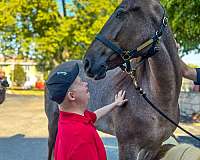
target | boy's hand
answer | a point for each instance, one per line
(119, 98)
(119, 101)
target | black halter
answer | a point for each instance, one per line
(127, 55)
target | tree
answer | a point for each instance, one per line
(36, 29)
(184, 18)
(33, 29)
(19, 75)
(88, 18)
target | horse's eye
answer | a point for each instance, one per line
(136, 8)
(120, 14)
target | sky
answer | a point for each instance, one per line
(59, 2)
(192, 59)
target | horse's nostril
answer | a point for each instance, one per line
(87, 68)
(103, 66)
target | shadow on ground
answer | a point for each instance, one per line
(19, 147)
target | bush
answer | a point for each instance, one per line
(19, 75)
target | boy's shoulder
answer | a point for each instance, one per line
(90, 115)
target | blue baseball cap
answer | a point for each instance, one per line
(59, 82)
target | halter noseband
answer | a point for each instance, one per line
(127, 55)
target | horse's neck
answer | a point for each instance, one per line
(161, 73)
(159, 76)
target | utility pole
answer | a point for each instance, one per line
(64, 8)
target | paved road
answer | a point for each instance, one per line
(18, 147)
(23, 130)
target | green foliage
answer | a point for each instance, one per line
(19, 75)
(89, 17)
(184, 19)
(193, 65)
(36, 28)
(30, 28)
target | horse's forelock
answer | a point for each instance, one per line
(135, 4)
(129, 4)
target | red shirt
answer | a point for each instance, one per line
(77, 138)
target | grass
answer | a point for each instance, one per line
(33, 92)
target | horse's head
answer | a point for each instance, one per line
(132, 23)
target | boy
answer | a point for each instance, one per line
(77, 138)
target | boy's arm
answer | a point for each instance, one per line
(104, 110)
(119, 101)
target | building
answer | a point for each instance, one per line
(7, 65)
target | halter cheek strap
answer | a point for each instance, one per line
(198, 77)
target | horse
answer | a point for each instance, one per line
(139, 129)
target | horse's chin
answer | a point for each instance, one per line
(100, 76)
(97, 76)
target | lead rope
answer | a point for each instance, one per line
(132, 74)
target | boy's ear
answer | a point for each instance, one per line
(71, 96)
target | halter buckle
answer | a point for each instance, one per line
(126, 55)
(165, 21)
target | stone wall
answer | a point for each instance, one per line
(189, 102)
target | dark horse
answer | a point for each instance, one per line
(139, 129)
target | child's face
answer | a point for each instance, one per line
(80, 88)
